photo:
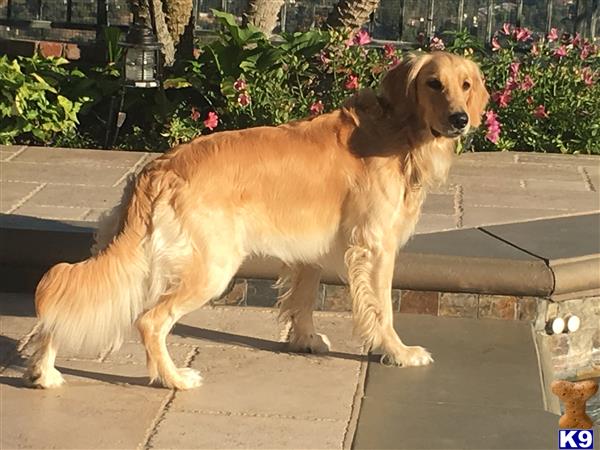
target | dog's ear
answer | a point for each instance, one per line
(399, 84)
(478, 96)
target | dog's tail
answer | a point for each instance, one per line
(90, 306)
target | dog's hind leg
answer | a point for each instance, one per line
(41, 372)
(197, 286)
(296, 309)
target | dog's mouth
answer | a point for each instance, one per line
(452, 133)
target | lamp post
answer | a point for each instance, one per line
(141, 68)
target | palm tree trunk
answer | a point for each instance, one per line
(173, 23)
(263, 14)
(351, 14)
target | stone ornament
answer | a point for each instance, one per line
(574, 395)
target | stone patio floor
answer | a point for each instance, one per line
(482, 392)
(483, 188)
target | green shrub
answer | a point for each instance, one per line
(545, 91)
(33, 106)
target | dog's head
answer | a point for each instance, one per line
(444, 91)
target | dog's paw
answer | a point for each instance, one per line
(407, 357)
(185, 378)
(310, 343)
(47, 379)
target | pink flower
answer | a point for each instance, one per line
(243, 99)
(317, 108)
(540, 112)
(195, 114)
(211, 121)
(436, 44)
(527, 83)
(361, 38)
(495, 44)
(576, 40)
(389, 51)
(553, 35)
(585, 51)
(587, 76)
(522, 34)
(239, 85)
(535, 50)
(502, 98)
(493, 127)
(511, 84)
(506, 28)
(351, 82)
(324, 59)
(513, 70)
(560, 52)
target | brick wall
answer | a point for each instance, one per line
(71, 51)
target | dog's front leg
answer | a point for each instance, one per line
(370, 273)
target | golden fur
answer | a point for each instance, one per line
(342, 190)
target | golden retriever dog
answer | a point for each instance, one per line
(341, 190)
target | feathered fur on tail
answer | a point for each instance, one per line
(90, 306)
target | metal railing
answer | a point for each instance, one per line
(395, 20)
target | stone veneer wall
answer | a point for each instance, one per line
(253, 292)
(570, 356)
(573, 355)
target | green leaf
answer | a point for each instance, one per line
(66, 104)
(176, 83)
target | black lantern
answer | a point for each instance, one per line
(141, 68)
(141, 58)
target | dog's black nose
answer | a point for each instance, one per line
(458, 120)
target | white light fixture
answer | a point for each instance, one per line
(556, 325)
(573, 323)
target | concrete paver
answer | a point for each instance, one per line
(79, 157)
(15, 192)
(8, 152)
(267, 383)
(80, 416)
(533, 199)
(518, 171)
(56, 212)
(554, 239)
(82, 197)
(62, 173)
(450, 426)
(430, 223)
(439, 204)
(180, 430)
(495, 215)
(483, 391)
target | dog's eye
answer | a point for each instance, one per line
(466, 86)
(434, 84)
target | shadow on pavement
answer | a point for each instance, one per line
(249, 341)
